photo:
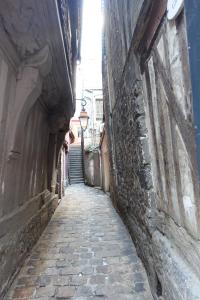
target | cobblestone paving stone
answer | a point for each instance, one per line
(84, 253)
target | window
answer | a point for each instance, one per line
(99, 109)
(79, 132)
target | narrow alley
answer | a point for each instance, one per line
(99, 149)
(84, 253)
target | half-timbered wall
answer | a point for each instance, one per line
(149, 117)
(170, 126)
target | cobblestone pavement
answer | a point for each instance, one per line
(84, 253)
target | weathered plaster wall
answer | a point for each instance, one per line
(36, 104)
(62, 175)
(152, 148)
(25, 203)
(92, 168)
(105, 162)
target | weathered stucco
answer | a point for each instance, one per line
(104, 162)
(152, 147)
(36, 103)
(92, 168)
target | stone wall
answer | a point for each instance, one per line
(149, 119)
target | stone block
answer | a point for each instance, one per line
(66, 292)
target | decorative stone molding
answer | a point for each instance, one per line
(41, 60)
(28, 89)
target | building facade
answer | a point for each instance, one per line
(93, 101)
(38, 52)
(150, 122)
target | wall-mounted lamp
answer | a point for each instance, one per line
(83, 118)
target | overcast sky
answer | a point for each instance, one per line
(89, 71)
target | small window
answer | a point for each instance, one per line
(79, 132)
(99, 109)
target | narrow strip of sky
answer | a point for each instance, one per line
(89, 71)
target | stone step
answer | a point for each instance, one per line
(76, 165)
(76, 159)
(80, 174)
(76, 181)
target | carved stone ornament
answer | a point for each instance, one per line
(28, 89)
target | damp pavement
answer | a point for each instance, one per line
(84, 253)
